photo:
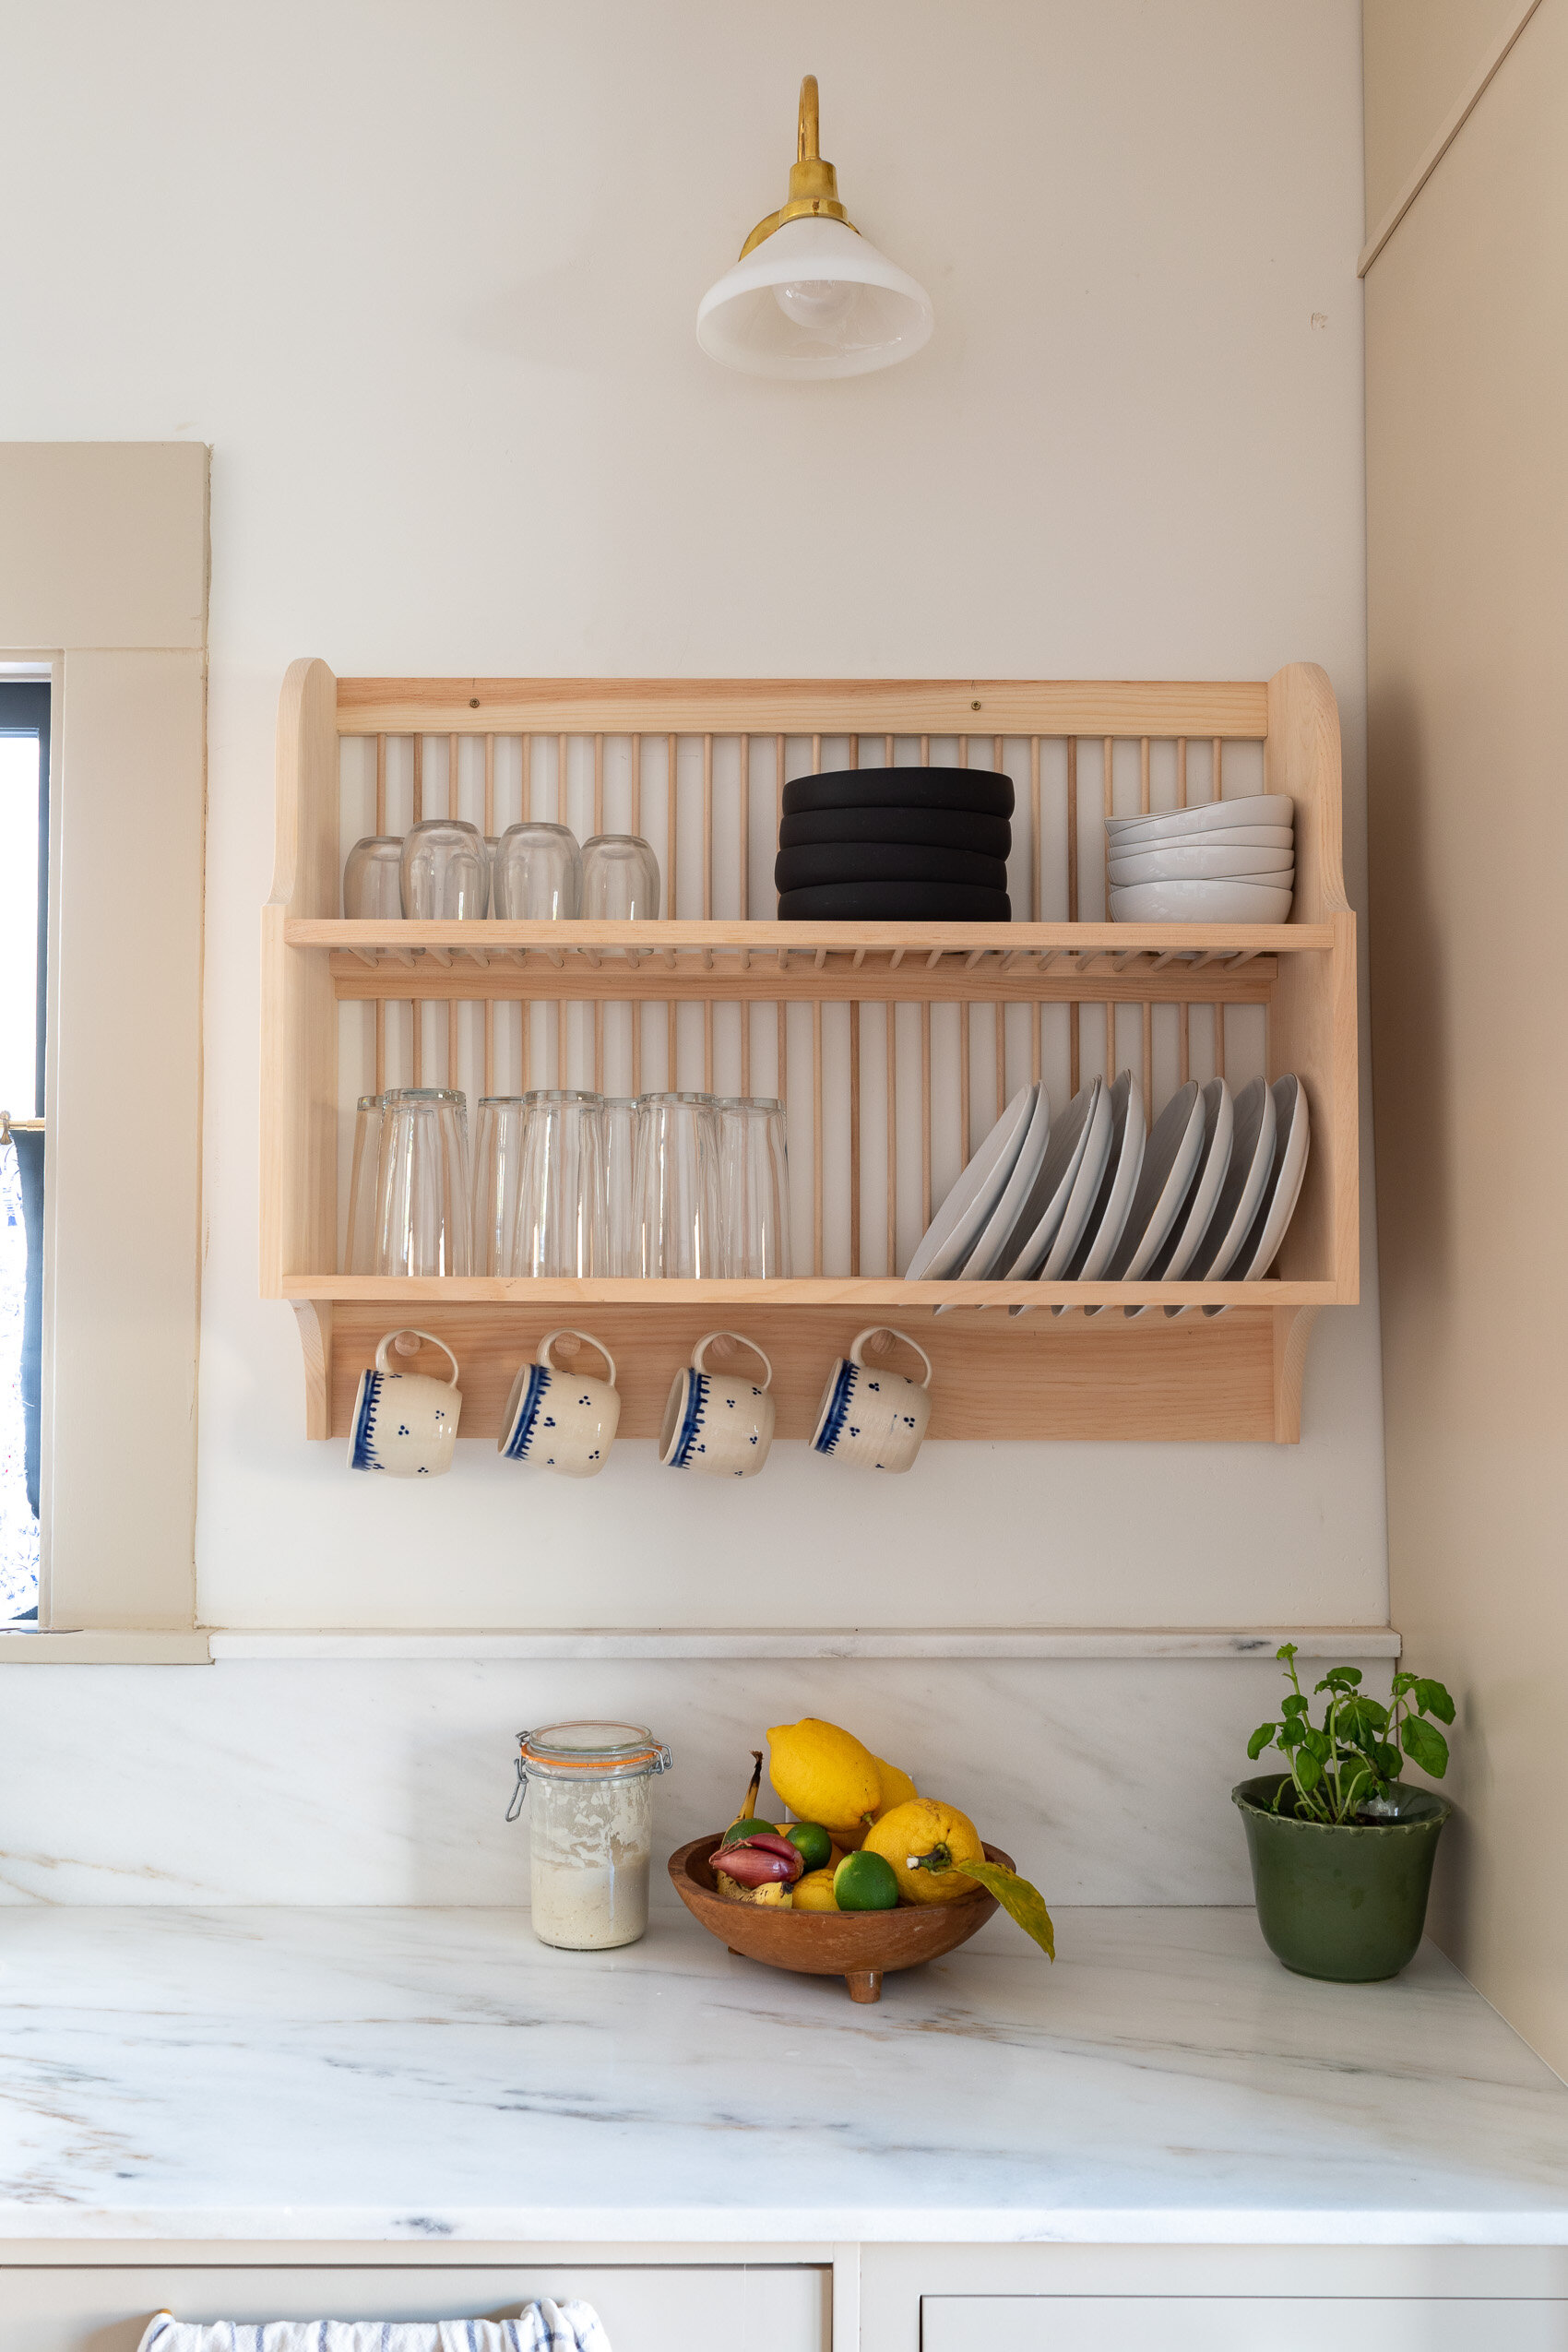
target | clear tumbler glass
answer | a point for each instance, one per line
(498, 1174)
(445, 872)
(359, 1245)
(621, 1242)
(539, 873)
(423, 1185)
(677, 1189)
(753, 1186)
(620, 879)
(560, 1194)
(372, 879)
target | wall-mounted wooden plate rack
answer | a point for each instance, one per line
(886, 1040)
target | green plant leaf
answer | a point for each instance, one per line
(1286, 1651)
(1317, 1744)
(1308, 1772)
(1260, 1739)
(1294, 1704)
(1386, 1760)
(1424, 1746)
(1403, 1684)
(1291, 1733)
(1018, 1899)
(1433, 1699)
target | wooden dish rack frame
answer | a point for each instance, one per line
(1237, 1375)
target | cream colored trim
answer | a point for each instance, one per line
(1453, 124)
(91, 1647)
(701, 1642)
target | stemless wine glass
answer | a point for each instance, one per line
(358, 1246)
(753, 1186)
(677, 1193)
(498, 1170)
(560, 1190)
(445, 873)
(621, 1243)
(539, 873)
(620, 879)
(372, 879)
(422, 1188)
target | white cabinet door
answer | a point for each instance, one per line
(1236, 2323)
(695, 2308)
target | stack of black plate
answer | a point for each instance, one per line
(895, 845)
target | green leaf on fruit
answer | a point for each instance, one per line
(1018, 1899)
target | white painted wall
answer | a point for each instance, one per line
(425, 279)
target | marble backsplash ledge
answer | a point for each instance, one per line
(387, 1781)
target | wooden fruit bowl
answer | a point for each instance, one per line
(860, 1946)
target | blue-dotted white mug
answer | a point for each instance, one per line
(405, 1424)
(719, 1427)
(560, 1417)
(870, 1417)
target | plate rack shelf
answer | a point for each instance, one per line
(839, 1018)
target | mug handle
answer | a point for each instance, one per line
(697, 1352)
(381, 1364)
(569, 1331)
(859, 1360)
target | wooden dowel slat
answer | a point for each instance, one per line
(637, 784)
(381, 1045)
(891, 1049)
(854, 1139)
(816, 1136)
(381, 784)
(925, 1113)
(1074, 1080)
(598, 783)
(964, 1084)
(1183, 1051)
(561, 1077)
(454, 1071)
(416, 1055)
(419, 779)
(745, 827)
(1001, 1058)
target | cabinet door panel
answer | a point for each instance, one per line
(1236, 2323)
(690, 2309)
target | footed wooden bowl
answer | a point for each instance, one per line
(860, 1946)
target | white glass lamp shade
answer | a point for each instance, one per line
(813, 300)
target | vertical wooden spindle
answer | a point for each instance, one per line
(598, 783)
(490, 835)
(925, 1112)
(1074, 1009)
(1218, 793)
(854, 751)
(745, 900)
(1108, 757)
(671, 890)
(381, 828)
(777, 821)
(854, 1139)
(964, 1011)
(891, 1028)
(1183, 1054)
(817, 1135)
(1037, 1011)
(1149, 1008)
(707, 900)
(1001, 1009)
(416, 1059)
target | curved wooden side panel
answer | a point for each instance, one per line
(1292, 1331)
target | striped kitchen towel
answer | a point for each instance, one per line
(543, 2326)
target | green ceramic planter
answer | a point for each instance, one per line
(1344, 1903)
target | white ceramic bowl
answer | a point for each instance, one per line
(1227, 837)
(1200, 902)
(1258, 808)
(1202, 865)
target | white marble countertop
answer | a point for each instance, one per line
(415, 2075)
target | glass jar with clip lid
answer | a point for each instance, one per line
(590, 1829)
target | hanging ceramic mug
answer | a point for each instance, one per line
(869, 1416)
(560, 1417)
(720, 1427)
(405, 1424)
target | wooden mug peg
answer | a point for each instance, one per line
(567, 1346)
(407, 1343)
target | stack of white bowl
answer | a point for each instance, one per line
(1226, 861)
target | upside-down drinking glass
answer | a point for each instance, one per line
(620, 879)
(498, 1175)
(677, 1191)
(559, 1204)
(539, 873)
(753, 1186)
(423, 1185)
(621, 1243)
(372, 879)
(445, 872)
(358, 1246)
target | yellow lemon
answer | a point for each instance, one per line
(822, 1774)
(923, 1840)
(897, 1787)
(814, 1892)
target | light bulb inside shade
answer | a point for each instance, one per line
(815, 302)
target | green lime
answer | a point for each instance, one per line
(747, 1828)
(813, 1842)
(864, 1882)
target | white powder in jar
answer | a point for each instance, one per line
(592, 1839)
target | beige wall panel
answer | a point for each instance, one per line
(1468, 490)
(123, 1199)
(1418, 58)
(102, 543)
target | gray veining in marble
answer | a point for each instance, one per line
(376, 2076)
(386, 1781)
